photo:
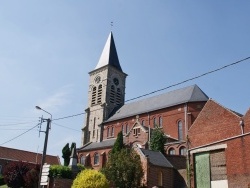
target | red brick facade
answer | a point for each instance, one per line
(220, 130)
(169, 118)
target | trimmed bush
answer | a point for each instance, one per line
(90, 179)
(59, 171)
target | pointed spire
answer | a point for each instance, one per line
(109, 55)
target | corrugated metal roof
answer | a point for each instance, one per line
(109, 55)
(26, 156)
(172, 98)
(157, 158)
(96, 145)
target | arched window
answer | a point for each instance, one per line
(180, 131)
(183, 150)
(155, 122)
(160, 121)
(93, 101)
(99, 96)
(96, 158)
(142, 122)
(171, 151)
(126, 128)
(112, 131)
(82, 160)
(108, 132)
(159, 178)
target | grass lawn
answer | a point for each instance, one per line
(3, 186)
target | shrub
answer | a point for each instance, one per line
(90, 179)
(59, 171)
(81, 167)
(21, 174)
(1, 180)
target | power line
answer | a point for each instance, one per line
(179, 83)
(69, 116)
(19, 135)
(11, 124)
(187, 80)
(66, 127)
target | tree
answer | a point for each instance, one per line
(72, 146)
(124, 169)
(157, 140)
(118, 145)
(90, 179)
(21, 174)
(66, 154)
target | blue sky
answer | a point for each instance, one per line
(47, 49)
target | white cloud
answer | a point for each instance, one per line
(57, 100)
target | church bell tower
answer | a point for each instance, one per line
(106, 92)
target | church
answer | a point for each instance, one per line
(107, 114)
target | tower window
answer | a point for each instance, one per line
(93, 101)
(112, 94)
(99, 96)
(118, 96)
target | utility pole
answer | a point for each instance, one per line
(45, 142)
(44, 148)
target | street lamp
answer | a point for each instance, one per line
(45, 141)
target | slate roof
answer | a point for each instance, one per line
(109, 55)
(97, 145)
(156, 158)
(26, 156)
(180, 96)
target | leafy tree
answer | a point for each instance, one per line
(66, 154)
(118, 145)
(21, 174)
(124, 169)
(90, 179)
(157, 140)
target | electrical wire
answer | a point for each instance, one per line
(19, 135)
(179, 83)
(11, 124)
(187, 80)
(65, 127)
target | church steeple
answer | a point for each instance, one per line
(109, 55)
(106, 92)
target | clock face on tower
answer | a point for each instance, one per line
(97, 79)
(116, 81)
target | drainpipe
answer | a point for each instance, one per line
(187, 144)
(149, 130)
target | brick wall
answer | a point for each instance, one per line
(60, 183)
(214, 124)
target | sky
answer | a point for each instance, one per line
(47, 49)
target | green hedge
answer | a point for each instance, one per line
(59, 171)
